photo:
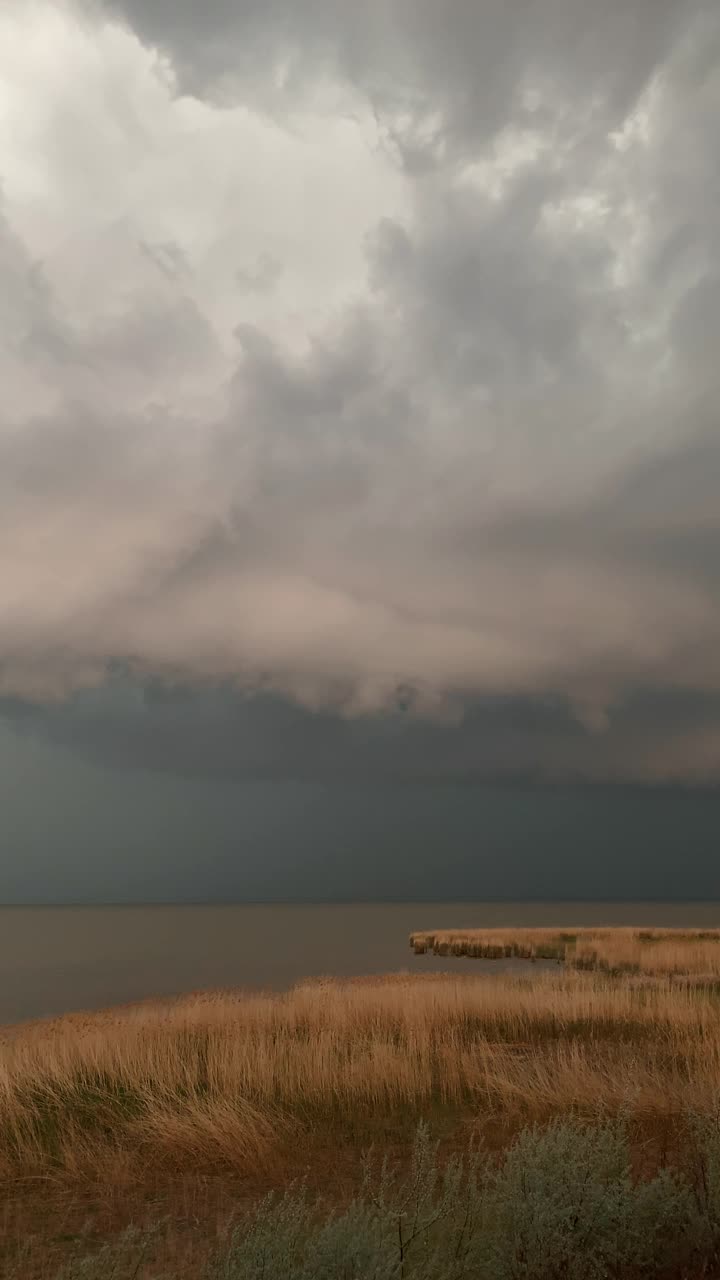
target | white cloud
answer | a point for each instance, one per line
(104, 155)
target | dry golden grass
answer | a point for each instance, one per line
(652, 951)
(491, 944)
(186, 1108)
(228, 1079)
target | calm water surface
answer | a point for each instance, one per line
(54, 959)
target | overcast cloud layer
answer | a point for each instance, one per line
(366, 358)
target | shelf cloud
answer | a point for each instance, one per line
(360, 386)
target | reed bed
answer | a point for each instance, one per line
(650, 951)
(233, 1080)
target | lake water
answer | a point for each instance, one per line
(56, 959)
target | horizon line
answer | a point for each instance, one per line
(361, 902)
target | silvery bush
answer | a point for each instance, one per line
(560, 1204)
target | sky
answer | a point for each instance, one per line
(359, 449)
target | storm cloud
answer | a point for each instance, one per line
(360, 387)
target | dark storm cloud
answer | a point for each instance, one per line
(653, 738)
(75, 830)
(455, 520)
(456, 72)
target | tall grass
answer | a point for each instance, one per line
(230, 1079)
(653, 951)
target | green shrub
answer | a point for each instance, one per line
(703, 1150)
(422, 1224)
(563, 1205)
(560, 1204)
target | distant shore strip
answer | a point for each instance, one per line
(628, 950)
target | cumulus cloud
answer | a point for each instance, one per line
(366, 362)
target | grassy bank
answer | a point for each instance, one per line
(693, 952)
(231, 1077)
(192, 1108)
